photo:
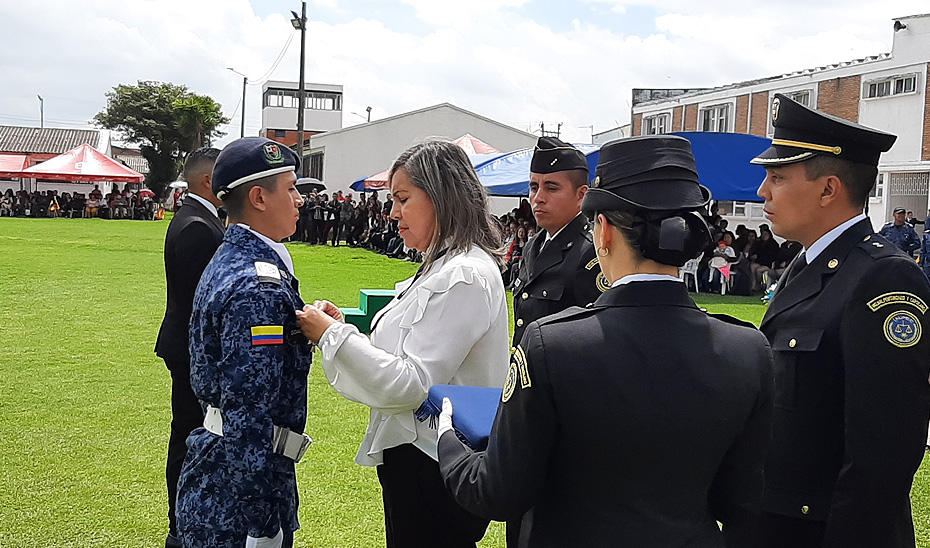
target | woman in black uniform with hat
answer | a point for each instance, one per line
(632, 422)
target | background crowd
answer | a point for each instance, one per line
(125, 204)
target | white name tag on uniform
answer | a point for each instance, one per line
(267, 270)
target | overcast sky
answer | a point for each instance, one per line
(517, 61)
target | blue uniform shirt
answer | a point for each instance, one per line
(248, 359)
(925, 253)
(902, 236)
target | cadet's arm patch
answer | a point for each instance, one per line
(267, 272)
(267, 334)
(602, 282)
(518, 370)
(898, 298)
(902, 329)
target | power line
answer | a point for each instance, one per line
(264, 78)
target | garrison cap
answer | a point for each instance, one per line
(650, 172)
(802, 132)
(553, 155)
(249, 158)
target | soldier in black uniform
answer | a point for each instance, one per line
(846, 326)
(559, 268)
(640, 421)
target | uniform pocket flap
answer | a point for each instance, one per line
(798, 339)
(548, 292)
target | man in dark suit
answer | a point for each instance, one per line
(559, 267)
(193, 236)
(846, 325)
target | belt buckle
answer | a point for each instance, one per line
(304, 445)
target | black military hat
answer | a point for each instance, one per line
(553, 155)
(250, 158)
(899, 210)
(802, 132)
(651, 172)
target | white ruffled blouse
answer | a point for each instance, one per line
(451, 327)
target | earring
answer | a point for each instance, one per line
(602, 251)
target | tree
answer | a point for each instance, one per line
(168, 120)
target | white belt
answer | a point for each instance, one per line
(286, 442)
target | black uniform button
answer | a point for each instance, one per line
(545, 293)
(805, 510)
(519, 322)
(525, 296)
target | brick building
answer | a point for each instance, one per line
(890, 91)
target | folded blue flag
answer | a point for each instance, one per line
(473, 411)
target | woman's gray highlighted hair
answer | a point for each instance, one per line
(463, 218)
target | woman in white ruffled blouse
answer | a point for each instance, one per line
(446, 325)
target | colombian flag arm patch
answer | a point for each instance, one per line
(267, 334)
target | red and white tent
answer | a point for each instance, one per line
(473, 145)
(12, 165)
(83, 164)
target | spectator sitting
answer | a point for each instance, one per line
(763, 254)
(723, 256)
(6, 203)
(91, 206)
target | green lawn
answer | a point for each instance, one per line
(84, 401)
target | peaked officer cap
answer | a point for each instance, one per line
(552, 155)
(802, 132)
(249, 158)
(650, 172)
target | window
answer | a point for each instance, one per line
(280, 133)
(877, 188)
(892, 86)
(316, 165)
(739, 209)
(803, 96)
(313, 100)
(715, 118)
(655, 125)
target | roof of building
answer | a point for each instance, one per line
(34, 140)
(747, 83)
(416, 112)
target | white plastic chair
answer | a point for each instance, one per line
(691, 268)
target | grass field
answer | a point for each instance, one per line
(84, 401)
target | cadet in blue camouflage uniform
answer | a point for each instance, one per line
(249, 362)
(901, 234)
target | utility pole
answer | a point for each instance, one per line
(244, 81)
(368, 110)
(41, 111)
(300, 23)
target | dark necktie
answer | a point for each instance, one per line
(796, 268)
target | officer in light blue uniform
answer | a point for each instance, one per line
(901, 234)
(249, 362)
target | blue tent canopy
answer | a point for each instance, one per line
(722, 162)
(509, 174)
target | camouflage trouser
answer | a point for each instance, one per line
(209, 505)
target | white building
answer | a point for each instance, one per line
(322, 110)
(890, 92)
(340, 157)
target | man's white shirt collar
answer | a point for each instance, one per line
(278, 248)
(828, 238)
(206, 203)
(629, 278)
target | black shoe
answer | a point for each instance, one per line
(172, 542)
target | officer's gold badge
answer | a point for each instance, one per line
(601, 282)
(510, 384)
(902, 329)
